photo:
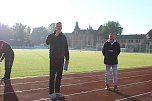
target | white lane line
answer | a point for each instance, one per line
(73, 84)
(135, 96)
(20, 91)
(24, 83)
(71, 78)
(96, 90)
(87, 72)
(104, 74)
(97, 71)
(126, 85)
(66, 85)
(100, 80)
(104, 80)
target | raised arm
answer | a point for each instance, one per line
(50, 39)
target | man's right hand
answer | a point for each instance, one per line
(56, 34)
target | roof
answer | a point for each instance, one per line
(136, 36)
(149, 34)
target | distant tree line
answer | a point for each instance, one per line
(23, 35)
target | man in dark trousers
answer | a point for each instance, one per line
(7, 53)
(111, 50)
(58, 50)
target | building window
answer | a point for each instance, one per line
(129, 41)
(89, 43)
(121, 41)
(138, 41)
(124, 41)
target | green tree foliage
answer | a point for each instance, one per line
(111, 27)
(39, 35)
(21, 35)
(28, 34)
(4, 32)
(19, 31)
(51, 28)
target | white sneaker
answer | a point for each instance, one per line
(53, 96)
(59, 95)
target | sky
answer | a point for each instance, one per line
(135, 16)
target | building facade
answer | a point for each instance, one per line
(90, 39)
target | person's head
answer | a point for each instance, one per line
(58, 27)
(112, 37)
(1, 44)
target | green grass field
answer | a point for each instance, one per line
(33, 62)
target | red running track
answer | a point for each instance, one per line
(134, 85)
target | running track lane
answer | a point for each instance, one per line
(82, 86)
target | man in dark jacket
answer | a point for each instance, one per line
(58, 50)
(7, 53)
(111, 50)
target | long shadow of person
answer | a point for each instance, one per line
(129, 97)
(61, 99)
(9, 94)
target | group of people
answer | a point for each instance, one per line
(59, 50)
(59, 56)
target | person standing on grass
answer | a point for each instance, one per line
(58, 51)
(7, 53)
(110, 51)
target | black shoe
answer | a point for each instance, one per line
(5, 78)
(2, 78)
(115, 88)
(107, 87)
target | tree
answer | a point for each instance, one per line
(111, 27)
(39, 35)
(51, 28)
(5, 32)
(28, 33)
(21, 35)
(19, 31)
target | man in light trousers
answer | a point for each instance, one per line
(110, 51)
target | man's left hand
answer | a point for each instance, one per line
(66, 64)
